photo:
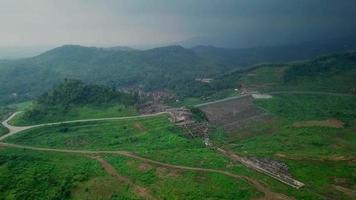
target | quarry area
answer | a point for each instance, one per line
(234, 114)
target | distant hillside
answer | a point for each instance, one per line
(331, 73)
(160, 68)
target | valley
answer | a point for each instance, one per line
(142, 134)
(271, 131)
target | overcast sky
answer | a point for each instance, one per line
(142, 22)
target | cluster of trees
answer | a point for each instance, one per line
(74, 93)
(34, 179)
(198, 115)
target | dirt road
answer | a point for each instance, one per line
(15, 129)
(277, 92)
(313, 92)
(139, 190)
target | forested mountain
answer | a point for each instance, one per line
(153, 69)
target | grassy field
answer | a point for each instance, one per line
(321, 157)
(308, 142)
(85, 112)
(166, 183)
(154, 137)
(263, 78)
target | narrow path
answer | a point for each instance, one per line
(13, 129)
(140, 191)
(276, 92)
(347, 191)
(313, 92)
(222, 100)
(268, 194)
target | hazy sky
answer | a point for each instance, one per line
(140, 22)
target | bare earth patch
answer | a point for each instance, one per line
(347, 191)
(144, 167)
(234, 114)
(331, 123)
(164, 172)
(139, 127)
(261, 96)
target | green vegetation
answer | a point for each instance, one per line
(85, 112)
(104, 188)
(26, 105)
(4, 112)
(152, 69)
(153, 137)
(332, 73)
(303, 143)
(137, 134)
(309, 152)
(75, 100)
(34, 175)
(3, 130)
(299, 107)
(198, 115)
(320, 157)
(167, 183)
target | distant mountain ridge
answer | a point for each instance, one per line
(121, 67)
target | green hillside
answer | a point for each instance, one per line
(331, 73)
(73, 99)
